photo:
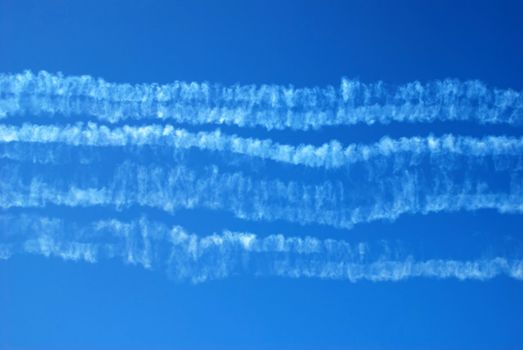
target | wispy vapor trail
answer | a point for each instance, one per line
(190, 257)
(329, 155)
(267, 106)
(338, 204)
(56, 153)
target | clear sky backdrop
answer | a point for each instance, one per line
(51, 304)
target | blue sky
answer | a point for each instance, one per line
(49, 303)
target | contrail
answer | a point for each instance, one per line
(335, 203)
(267, 106)
(329, 155)
(57, 153)
(187, 256)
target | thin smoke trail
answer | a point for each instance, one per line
(267, 106)
(332, 203)
(56, 153)
(329, 155)
(187, 256)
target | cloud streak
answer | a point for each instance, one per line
(267, 106)
(186, 256)
(329, 155)
(339, 204)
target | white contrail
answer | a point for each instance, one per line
(338, 204)
(329, 155)
(267, 106)
(58, 153)
(187, 256)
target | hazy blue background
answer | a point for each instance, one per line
(51, 304)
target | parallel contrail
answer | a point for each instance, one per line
(329, 155)
(187, 256)
(382, 181)
(267, 106)
(338, 204)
